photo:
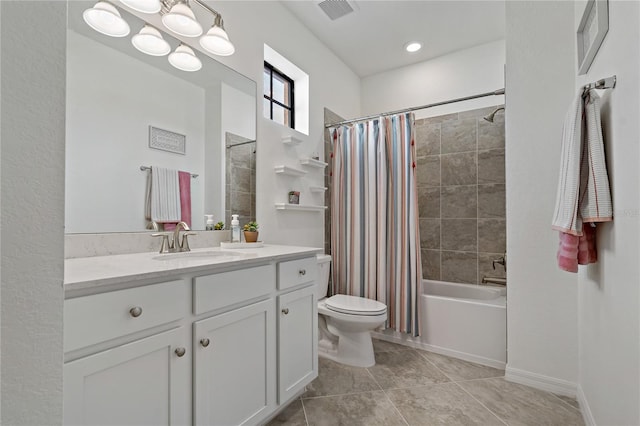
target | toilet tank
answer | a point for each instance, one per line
(324, 266)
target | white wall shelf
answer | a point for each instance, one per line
(290, 171)
(317, 188)
(291, 140)
(299, 207)
(312, 162)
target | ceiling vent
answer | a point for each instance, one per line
(335, 9)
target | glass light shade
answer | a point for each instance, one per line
(184, 59)
(182, 21)
(105, 19)
(217, 42)
(150, 41)
(144, 6)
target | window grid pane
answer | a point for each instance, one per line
(278, 96)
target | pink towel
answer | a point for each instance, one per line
(577, 250)
(184, 179)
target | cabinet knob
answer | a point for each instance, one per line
(285, 311)
(204, 342)
(302, 272)
(136, 311)
(180, 352)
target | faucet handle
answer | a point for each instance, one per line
(164, 245)
(184, 245)
(500, 261)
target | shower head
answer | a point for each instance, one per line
(491, 116)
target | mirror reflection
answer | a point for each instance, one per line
(128, 112)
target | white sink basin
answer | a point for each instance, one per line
(199, 255)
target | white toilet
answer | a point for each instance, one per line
(345, 322)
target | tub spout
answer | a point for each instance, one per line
(494, 280)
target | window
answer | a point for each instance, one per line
(278, 96)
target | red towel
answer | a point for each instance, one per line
(184, 180)
(577, 250)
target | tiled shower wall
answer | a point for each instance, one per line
(240, 181)
(461, 195)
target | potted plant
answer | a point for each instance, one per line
(251, 232)
(218, 226)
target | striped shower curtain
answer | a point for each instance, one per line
(375, 242)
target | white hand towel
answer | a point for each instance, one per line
(565, 218)
(165, 195)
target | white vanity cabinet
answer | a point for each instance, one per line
(234, 366)
(145, 382)
(134, 361)
(225, 344)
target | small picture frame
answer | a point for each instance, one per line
(294, 197)
(592, 30)
(166, 140)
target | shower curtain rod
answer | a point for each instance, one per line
(369, 117)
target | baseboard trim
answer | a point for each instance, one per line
(540, 381)
(407, 340)
(587, 415)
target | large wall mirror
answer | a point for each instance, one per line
(116, 95)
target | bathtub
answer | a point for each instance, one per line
(461, 320)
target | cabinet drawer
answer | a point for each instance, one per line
(93, 319)
(295, 272)
(211, 292)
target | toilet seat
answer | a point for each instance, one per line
(355, 305)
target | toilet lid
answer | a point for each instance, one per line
(355, 305)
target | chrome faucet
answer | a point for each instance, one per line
(181, 245)
(175, 244)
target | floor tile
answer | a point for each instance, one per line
(338, 379)
(384, 346)
(457, 369)
(362, 409)
(293, 415)
(521, 405)
(444, 404)
(404, 369)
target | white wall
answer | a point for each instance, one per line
(542, 310)
(609, 291)
(32, 189)
(332, 84)
(463, 73)
(108, 141)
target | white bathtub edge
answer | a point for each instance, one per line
(407, 340)
(587, 415)
(540, 381)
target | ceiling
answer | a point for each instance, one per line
(371, 39)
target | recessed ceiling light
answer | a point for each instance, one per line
(412, 46)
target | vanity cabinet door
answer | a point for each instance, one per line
(146, 382)
(297, 341)
(234, 366)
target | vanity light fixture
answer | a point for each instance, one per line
(412, 46)
(150, 41)
(184, 59)
(216, 39)
(105, 18)
(181, 20)
(144, 6)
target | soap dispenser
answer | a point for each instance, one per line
(209, 218)
(235, 229)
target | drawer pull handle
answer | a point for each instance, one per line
(135, 312)
(204, 342)
(302, 272)
(180, 352)
(285, 311)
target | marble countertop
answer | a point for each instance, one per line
(93, 272)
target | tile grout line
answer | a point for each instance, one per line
(304, 411)
(396, 408)
(479, 402)
(567, 404)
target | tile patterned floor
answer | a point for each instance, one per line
(414, 387)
